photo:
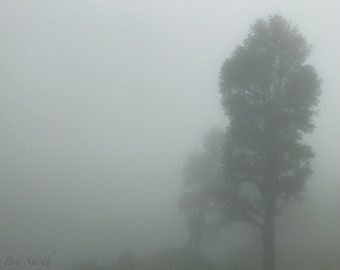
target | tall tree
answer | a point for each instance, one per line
(202, 172)
(269, 94)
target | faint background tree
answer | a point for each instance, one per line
(202, 172)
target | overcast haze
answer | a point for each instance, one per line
(102, 101)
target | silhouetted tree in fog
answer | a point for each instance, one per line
(269, 94)
(201, 173)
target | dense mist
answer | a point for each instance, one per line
(102, 103)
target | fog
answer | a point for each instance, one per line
(101, 104)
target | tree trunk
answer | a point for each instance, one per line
(269, 235)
